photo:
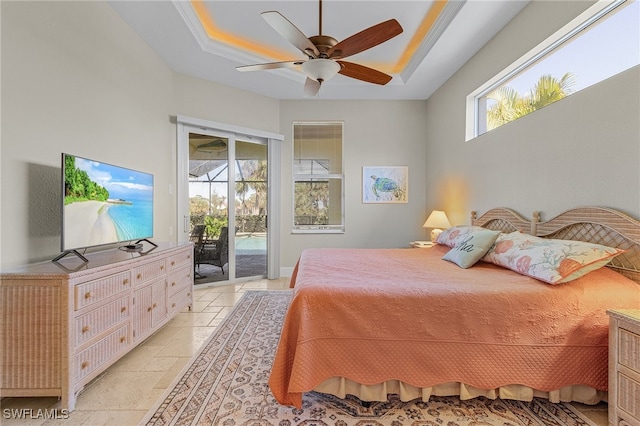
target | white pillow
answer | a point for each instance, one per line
(550, 260)
(450, 236)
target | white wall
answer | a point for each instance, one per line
(583, 150)
(75, 79)
(376, 133)
(223, 104)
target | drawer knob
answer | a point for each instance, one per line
(123, 309)
(155, 305)
(173, 305)
(173, 262)
(173, 284)
(125, 281)
(85, 328)
(161, 267)
(188, 256)
(88, 295)
(123, 339)
(149, 309)
(139, 276)
(84, 364)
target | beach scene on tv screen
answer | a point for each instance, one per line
(105, 204)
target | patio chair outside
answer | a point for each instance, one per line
(215, 252)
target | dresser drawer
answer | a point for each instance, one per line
(94, 291)
(100, 352)
(148, 271)
(96, 321)
(178, 260)
(180, 300)
(180, 279)
(629, 395)
(624, 367)
(629, 350)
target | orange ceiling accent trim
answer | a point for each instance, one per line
(274, 54)
(220, 35)
(425, 26)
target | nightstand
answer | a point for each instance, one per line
(624, 367)
(421, 244)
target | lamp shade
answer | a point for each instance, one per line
(437, 219)
(320, 69)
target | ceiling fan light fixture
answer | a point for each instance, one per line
(323, 51)
(320, 69)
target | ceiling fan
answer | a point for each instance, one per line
(324, 53)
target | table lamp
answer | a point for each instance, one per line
(436, 220)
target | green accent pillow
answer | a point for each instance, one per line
(472, 248)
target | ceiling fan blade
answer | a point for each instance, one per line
(311, 87)
(269, 66)
(366, 39)
(360, 72)
(290, 32)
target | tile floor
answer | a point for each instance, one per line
(128, 389)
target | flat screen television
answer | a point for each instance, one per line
(103, 204)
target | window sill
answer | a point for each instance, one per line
(318, 230)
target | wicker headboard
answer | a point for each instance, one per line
(598, 225)
(502, 219)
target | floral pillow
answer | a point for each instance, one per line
(549, 260)
(453, 235)
(470, 249)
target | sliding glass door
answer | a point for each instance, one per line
(251, 209)
(229, 244)
(208, 207)
(227, 196)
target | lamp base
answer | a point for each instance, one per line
(434, 234)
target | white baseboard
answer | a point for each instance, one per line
(286, 271)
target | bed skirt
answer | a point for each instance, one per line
(342, 387)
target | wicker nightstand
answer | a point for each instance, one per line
(624, 367)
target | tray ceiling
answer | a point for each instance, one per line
(209, 39)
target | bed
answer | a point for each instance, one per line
(373, 322)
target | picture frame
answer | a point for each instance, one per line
(385, 184)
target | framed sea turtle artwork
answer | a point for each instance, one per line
(385, 184)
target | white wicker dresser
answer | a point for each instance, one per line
(624, 367)
(60, 327)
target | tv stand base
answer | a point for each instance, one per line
(66, 252)
(149, 241)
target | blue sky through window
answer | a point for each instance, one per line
(603, 49)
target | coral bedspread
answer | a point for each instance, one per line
(372, 315)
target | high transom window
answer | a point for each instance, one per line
(598, 44)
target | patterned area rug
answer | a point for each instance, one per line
(226, 384)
